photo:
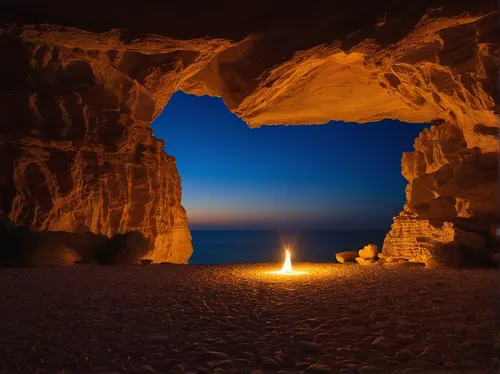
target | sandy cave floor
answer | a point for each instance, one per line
(237, 318)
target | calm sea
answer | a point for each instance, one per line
(235, 246)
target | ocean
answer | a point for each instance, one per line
(239, 246)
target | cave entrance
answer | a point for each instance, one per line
(326, 188)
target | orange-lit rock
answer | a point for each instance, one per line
(77, 151)
(368, 252)
(366, 262)
(346, 256)
(80, 89)
(432, 263)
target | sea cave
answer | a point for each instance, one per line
(84, 179)
(79, 96)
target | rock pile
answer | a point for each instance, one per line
(370, 255)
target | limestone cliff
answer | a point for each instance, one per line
(80, 90)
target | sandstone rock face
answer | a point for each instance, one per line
(417, 239)
(77, 151)
(79, 91)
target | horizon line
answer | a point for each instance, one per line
(286, 229)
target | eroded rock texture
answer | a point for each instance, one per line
(80, 89)
(77, 151)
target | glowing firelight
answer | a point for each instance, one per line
(287, 266)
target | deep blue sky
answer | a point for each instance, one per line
(333, 176)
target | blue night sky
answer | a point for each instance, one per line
(333, 176)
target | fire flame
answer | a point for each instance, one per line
(287, 266)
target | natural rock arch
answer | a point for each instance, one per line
(80, 89)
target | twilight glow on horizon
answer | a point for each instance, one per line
(334, 176)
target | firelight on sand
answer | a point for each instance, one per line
(287, 266)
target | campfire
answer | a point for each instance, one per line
(287, 266)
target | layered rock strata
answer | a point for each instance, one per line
(79, 91)
(77, 151)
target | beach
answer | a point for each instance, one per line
(166, 318)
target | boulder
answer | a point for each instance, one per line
(346, 256)
(432, 263)
(369, 251)
(366, 262)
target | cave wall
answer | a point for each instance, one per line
(77, 151)
(80, 89)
